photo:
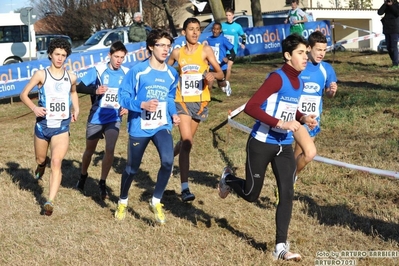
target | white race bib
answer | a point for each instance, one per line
(216, 52)
(151, 120)
(57, 106)
(192, 84)
(230, 38)
(309, 104)
(110, 99)
(286, 112)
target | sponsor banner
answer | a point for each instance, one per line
(260, 40)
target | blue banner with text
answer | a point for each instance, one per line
(260, 40)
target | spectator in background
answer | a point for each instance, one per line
(137, 32)
(390, 28)
(296, 18)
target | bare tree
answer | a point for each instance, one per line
(256, 13)
(64, 17)
(79, 18)
(335, 3)
(360, 4)
(217, 10)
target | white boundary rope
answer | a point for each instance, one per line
(357, 39)
(375, 171)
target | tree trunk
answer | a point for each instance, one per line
(170, 18)
(256, 13)
(217, 10)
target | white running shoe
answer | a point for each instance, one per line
(283, 253)
(223, 188)
(228, 88)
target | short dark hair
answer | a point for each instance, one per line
(316, 37)
(190, 20)
(117, 46)
(155, 35)
(218, 23)
(59, 43)
(290, 43)
(228, 9)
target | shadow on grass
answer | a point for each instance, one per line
(91, 186)
(70, 175)
(263, 202)
(23, 177)
(341, 215)
(223, 223)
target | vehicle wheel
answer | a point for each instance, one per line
(12, 61)
(340, 48)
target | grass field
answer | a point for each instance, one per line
(338, 213)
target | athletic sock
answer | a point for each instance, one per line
(123, 201)
(155, 201)
(184, 186)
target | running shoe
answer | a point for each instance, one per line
(48, 208)
(223, 89)
(103, 190)
(223, 188)
(283, 253)
(39, 172)
(158, 212)
(228, 88)
(81, 183)
(186, 195)
(120, 212)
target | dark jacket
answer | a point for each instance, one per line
(390, 21)
(137, 32)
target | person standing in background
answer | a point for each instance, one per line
(137, 32)
(232, 31)
(390, 28)
(296, 18)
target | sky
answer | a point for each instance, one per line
(11, 5)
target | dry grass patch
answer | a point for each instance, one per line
(335, 209)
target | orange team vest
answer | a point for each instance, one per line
(192, 85)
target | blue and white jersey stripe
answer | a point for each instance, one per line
(281, 105)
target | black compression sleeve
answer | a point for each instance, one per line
(82, 88)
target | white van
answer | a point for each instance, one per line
(17, 40)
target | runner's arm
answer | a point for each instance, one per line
(83, 88)
(253, 107)
(37, 79)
